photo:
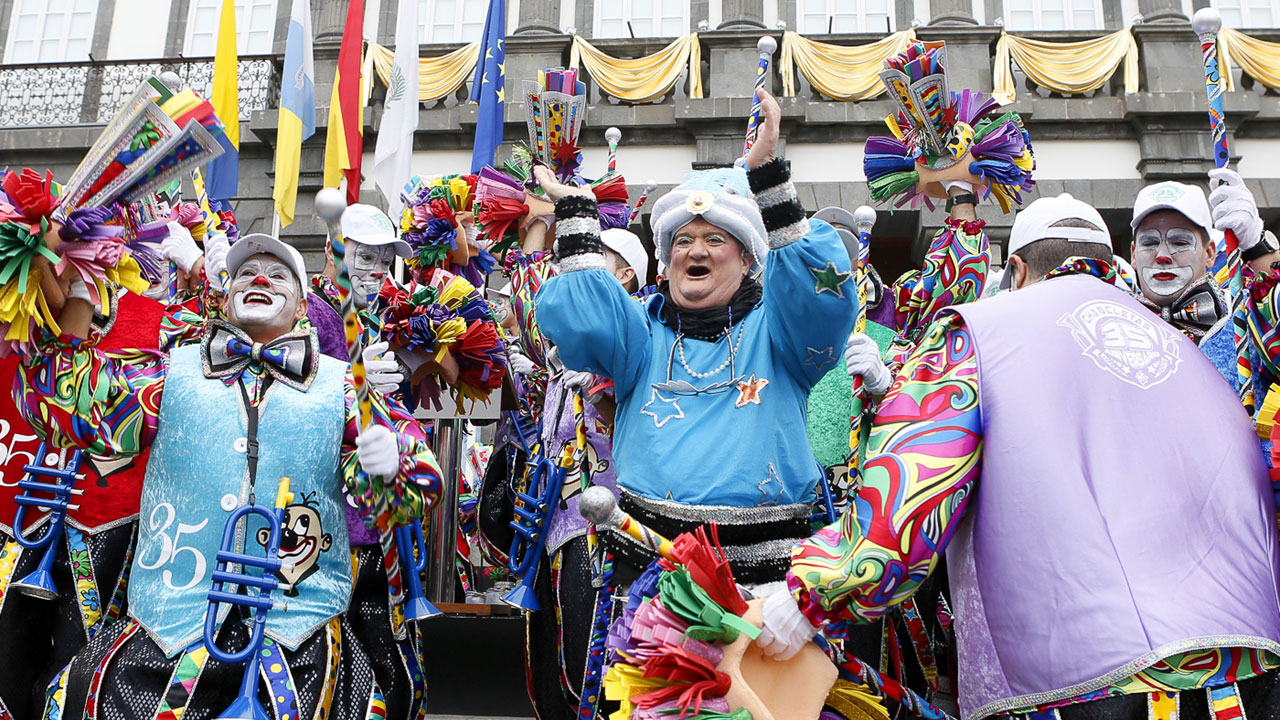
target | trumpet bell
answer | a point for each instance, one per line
(522, 596)
(38, 584)
(245, 708)
(420, 608)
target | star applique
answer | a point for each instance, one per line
(749, 391)
(565, 153)
(764, 485)
(820, 359)
(661, 414)
(829, 279)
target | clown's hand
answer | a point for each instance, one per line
(578, 381)
(381, 368)
(216, 248)
(786, 630)
(768, 130)
(862, 357)
(555, 189)
(521, 364)
(1234, 208)
(378, 453)
(179, 247)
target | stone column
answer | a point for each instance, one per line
(951, 12)
(328, 18)
(539, 17)
(1161, 11)
(741, 14)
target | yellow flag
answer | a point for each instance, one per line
(226, 81)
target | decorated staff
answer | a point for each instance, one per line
(644, 195)
(1206, 23)
(330, 205)
(766, 45)
(864, 219)
(612, 136)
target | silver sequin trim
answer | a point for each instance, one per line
(722, 514)
(583, 261)
(784, 236)
(777, 195)
(757, 553)
(578, 226)
(1126, 670)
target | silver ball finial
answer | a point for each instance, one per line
(1206, 20)
(766, 45)
(330, 204)
(171, 80)
(864, 218)
(612, 135)
(650, 186)
(596, 504)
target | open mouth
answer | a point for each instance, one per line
(697, 272)
(298, 552)
(257, 298)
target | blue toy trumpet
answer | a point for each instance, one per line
(412, 547)
(246, 705)
(39, 583)
(535, 503)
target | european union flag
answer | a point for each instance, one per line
(486, 87)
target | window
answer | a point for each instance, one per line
(1248, 13)
(255, 27)
(451, 21)
(1053, 14)
(50, 31)
(647, 18)
(819, 17)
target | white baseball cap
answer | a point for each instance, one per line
(257, 243)
(1186, 199)
(368, 225)
(1035, 222)
(628, 245)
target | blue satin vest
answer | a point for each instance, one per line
(198, 473)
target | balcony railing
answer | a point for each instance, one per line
(45, 95)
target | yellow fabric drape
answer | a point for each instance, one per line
(641, 79)
(437, 76)
(1069, 68)
(837, 71)
(1258, 59)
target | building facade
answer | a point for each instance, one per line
(68, 64)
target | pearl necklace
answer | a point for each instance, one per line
(733, 350)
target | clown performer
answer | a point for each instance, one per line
(711, 374)
(226, 419)
(1075, 596)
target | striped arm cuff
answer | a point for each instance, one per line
(780, 207)
(578, 234)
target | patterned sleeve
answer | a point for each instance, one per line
(106, 403)
(954, 272)
(417, 487)
(923, 459)
(1263, 314)
(528, 271)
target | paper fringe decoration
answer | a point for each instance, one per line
(935, 128)
(446, 314)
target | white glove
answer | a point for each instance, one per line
(1234, 208)
(377, 451)
(521, 364)
(381, 369)
(578, 381)
(216, 248)
(786, 630)
(964, 185)
(862, 357)
(78, 290)
(179, 247)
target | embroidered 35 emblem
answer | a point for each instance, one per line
(1132, 346)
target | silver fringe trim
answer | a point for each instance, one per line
(722, 514)
(756, 553)
(777, 195)
(578, 226)
(784, 236)
(582, 261)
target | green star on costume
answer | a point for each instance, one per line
(829, 279)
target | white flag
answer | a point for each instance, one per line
(393, 155)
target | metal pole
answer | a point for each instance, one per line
(442, 579)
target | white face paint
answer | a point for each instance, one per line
(1168, 281)
(264, 294)
(1166, 257)
(368, 266)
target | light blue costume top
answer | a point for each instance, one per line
(713, 423)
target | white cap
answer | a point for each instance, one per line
(257, 243)
(1035, 220)
(368, 225)
(1186, 199)
(628, 245)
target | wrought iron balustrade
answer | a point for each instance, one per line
(43, 95)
